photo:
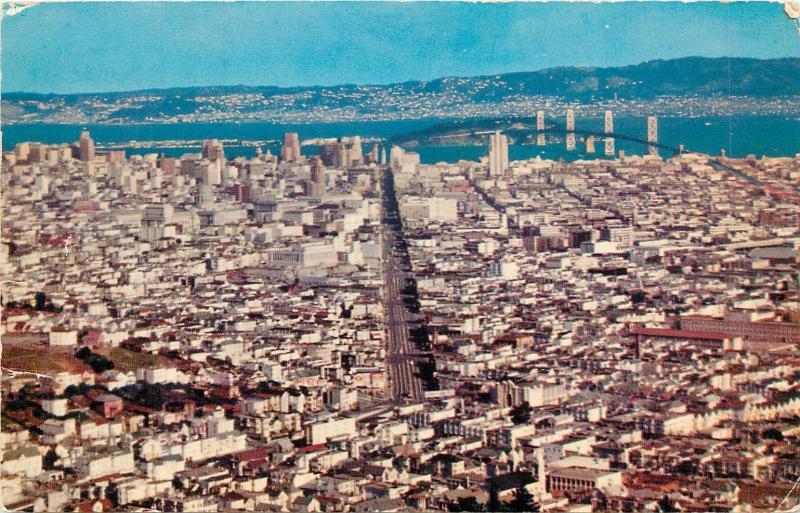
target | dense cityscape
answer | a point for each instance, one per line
(357, 257)
(357, 331)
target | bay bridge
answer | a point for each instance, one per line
(651, 141)
(499, 145)
(607, 135)
(561, 129)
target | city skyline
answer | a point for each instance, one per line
(362, 43)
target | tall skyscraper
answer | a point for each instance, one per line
(330, 153)
(396, 157)
(498, 153)
(21, 151)
(290, 150)
(652, 134)
(570, 120)
(168, 165)
(356, 153)
(86, 147)
(38, 153)
(204, 195)
(589, 144)
(343, 154)
(540, 120)
(317, 182)
(213, 150)
(383, 155)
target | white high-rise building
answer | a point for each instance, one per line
(396, 158)
(570, 120)
(498, 153)
(540, 120)
(356, 153)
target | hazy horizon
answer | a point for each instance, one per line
(363, 84)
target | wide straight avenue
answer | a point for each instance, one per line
(402, 363)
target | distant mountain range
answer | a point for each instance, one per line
(667, 84)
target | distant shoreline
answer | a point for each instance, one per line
(757, 135)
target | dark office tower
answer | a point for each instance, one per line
(330, 154)
(578, 236)
(85, 147)
(317, 182)
(241, 193)
(343, 155)
(213, 150)
(168, 165)
(290, 150)
(37, 153)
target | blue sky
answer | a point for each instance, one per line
(82, 47)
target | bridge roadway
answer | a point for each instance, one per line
(402, 362)
(600, 135)
(716, 163)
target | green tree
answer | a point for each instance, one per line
(494, 500)
(523, 500)
(521, 414)
(665, 505)
(40, 300)
(99, 363)
(468, 504)
(772, 434)
(112, 494)
(83, 353)
(49, 460)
